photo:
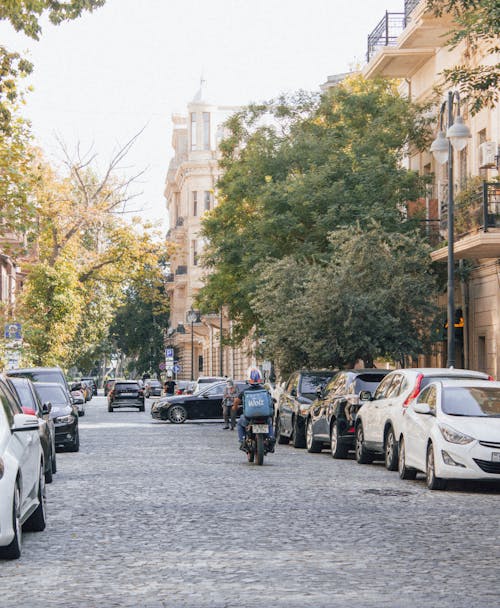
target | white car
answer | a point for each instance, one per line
(452, 431)
(22, 480)
(379, 419)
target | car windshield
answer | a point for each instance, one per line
(367, 382)
(310, 383)
(471, 401)
(54, 394)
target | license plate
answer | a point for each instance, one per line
(495, 457)
(260, 428)
(127, 394)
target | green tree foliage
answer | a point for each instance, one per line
(24, 15)
(478, 24)
(296, 170)
(83, 236)
(370, 299)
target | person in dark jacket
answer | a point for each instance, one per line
(254, 379)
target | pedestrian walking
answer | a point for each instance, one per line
(230, 394)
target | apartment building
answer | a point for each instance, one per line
(411, 46)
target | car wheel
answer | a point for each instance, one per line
(36, 521)
(281, 438)
(142, 408)
(391, 451)
(75, 447)
(13, 549)
(363, 456)
(48, 473)
(433, 482)
(81, 413)
(297, 439)
(404, 471)
(312, 445)
(54, 463)
(339, 450)
(177, 414)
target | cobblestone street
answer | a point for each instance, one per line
(151, 514)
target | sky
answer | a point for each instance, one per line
(101, 79)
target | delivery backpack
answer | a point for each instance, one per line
(257, 404)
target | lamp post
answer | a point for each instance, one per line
(442, 147)
(192, 316)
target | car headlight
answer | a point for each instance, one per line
(454, 436)
(64, 419)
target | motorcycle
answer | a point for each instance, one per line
(257, 442)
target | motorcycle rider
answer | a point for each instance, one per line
(254, 379)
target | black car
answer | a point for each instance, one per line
(206, 404)
(28, 399)
(294, 402)
(152, 388)
(332, 417)
(126, 393)
(63, 412)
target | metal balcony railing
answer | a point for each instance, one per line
(385, 33)
(410, 6)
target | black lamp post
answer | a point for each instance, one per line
(192, 316)
(442, 147)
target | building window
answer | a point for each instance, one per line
(206, 130)
(208, 199)
(194, 248)
(195, 204)
(200, 363)
(193, 131)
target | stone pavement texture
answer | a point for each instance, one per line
(153, 515)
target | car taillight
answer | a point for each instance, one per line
(415, 391)
(491, 379)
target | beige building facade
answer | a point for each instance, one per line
(411, 46)
(190, 193)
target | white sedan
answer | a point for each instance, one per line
(452, 431)
(22, 480)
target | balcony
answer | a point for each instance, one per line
(403, 42)
(477, 225)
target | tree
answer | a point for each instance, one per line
(359, 305)
(313, 167)
(478, 24)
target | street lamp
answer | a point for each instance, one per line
(192, 317)
(456, 137)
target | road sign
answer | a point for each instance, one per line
(169, 353)
(176, 369)
(13, 331)
(162, 366)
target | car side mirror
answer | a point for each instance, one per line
(423, 408)
(365, 396)
(46, 408)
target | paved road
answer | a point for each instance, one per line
(151, 515)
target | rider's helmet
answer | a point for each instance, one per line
(254, 376)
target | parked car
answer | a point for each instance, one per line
(63, 412)
(109, 383)
(206, 404)
(45, 374)
(126, 393)
(452, 431)
(331, 419)
(86, 389)
(92, 382)
(294, 403)
(152, 388)
(28, 399)
(78, 395)
(22, 479)
(379, 419)
(184, 387)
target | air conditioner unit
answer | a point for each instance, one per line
(488, 155)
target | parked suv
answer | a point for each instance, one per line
(293, 405)
(331, 419)
(93, 384)
(379, 420)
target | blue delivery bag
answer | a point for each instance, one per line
(257, 404)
